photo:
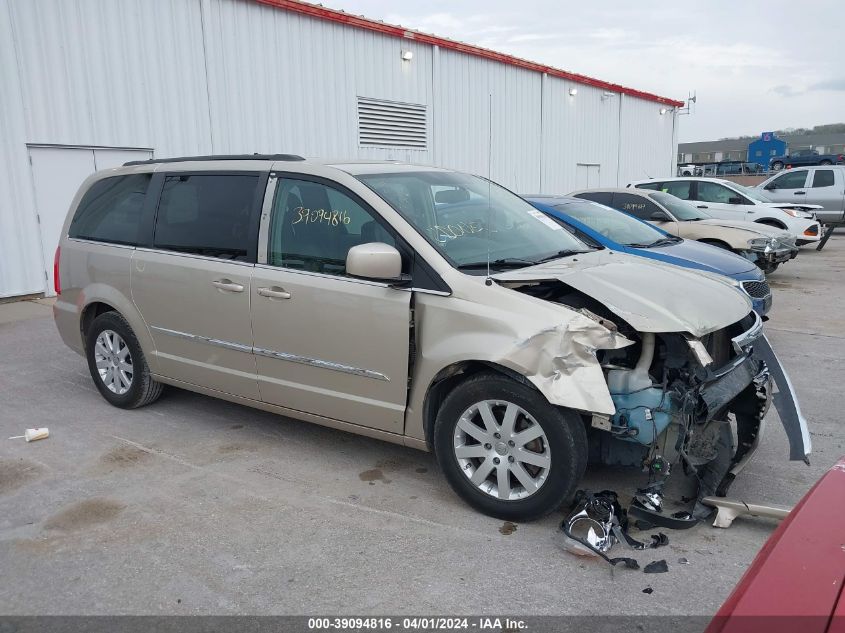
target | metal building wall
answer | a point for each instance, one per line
(280, 81)
(580, 129)
(124, 74)
(225, 76)
(646, 141)
(467, 91)
(21, 270)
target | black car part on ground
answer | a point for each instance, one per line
(600, 515)
(828, 231)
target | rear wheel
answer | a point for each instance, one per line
(825, 162)
(506, 451)
(777, 165)
(117, 364)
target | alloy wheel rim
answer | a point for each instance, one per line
(502, 450)
(113, 361)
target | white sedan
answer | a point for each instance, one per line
(730, 201)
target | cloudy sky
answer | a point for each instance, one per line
(756, 66)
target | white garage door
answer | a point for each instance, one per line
(57, 173)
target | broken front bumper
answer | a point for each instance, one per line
(777, 257)
(752, 381)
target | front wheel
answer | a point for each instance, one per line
(506, 451)
(768, 268)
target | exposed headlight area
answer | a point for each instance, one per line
(764, 244)
(799, 213)
(673, 394)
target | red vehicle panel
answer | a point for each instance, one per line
(795, 582)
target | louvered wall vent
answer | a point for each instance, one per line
(391, 124)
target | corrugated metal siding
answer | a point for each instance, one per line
(232, 76)
(646, 140)
(462, 106)
(583, 128)
(123, 74)
(281, 81)
(21, 266)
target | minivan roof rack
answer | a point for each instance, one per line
(182, 159)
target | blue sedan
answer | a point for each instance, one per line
(601, 225)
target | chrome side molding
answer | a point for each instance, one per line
(292, 358)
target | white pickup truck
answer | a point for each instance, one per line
(821, 185)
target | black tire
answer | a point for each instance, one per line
(777, 165)
(825, 162)
(143, 389)
(768, 268)
(564, 431)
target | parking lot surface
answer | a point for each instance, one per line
(194, 505)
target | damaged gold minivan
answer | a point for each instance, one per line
(416, 305)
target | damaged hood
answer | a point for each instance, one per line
(652, 297)
(793, 205)
(751, 227)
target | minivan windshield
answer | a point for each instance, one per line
(618, 226)
(471, 220)
(681, 209)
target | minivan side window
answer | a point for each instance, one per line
(208, 214)
(638, 206)
(110, 211)
(314, 226)
(823, 178)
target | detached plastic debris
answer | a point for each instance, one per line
(596, 523)
(656, 567)
(31, 435)
(647, 510)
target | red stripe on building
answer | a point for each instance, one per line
(333, 15)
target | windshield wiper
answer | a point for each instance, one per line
(505, 262)
(559, 255)
(661, 242)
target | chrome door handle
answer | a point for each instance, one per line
(274, 293)
(227, 285)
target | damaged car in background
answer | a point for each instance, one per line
(767, 246)
(420, 306)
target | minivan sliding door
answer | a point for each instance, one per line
(192, 284)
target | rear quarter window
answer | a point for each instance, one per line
(110, 211)
(823, 178)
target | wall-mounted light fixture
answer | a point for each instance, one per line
(407, 56)
(663, 111)
(573, 92)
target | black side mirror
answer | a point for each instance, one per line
(659, 216)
